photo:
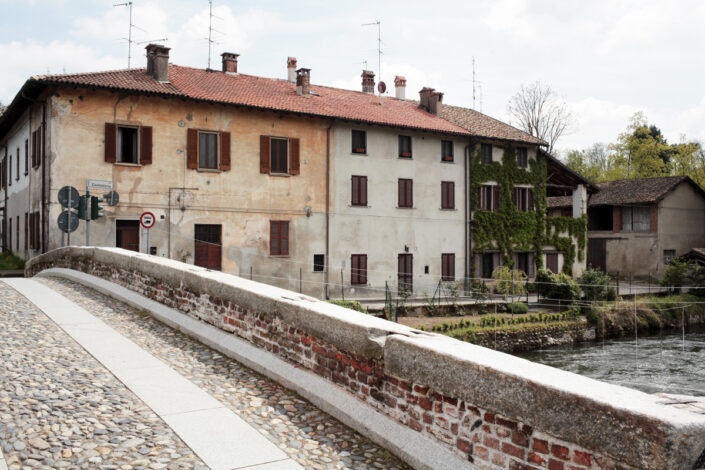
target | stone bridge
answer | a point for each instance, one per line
(432, 401)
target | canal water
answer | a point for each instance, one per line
(656, 363)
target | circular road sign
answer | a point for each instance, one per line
(66, 193)
(68, 221)
(381, 87)
(111, 198)
(147, 220)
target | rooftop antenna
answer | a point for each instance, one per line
(210, 30)
(379, 52)
(473, 82)
(129, 32)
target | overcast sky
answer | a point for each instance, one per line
(606, 58)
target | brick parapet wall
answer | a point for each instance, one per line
(486, 437)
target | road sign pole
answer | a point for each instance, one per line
(147, 241)
(88, 218)
(68, 243)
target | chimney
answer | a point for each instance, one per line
(368, 81)
(400, 86)
(424, 97)
(435, 102)
(229, 62)
(291, 69)
(158, 62)
(303, 82)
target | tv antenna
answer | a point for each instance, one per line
(210, 31)
(473, 82)
(379, 51)
(130, 42)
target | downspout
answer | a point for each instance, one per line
(4, 208)
(467, 162)
(327, 255)
(45, 177)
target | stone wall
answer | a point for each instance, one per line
(535, 337)
(496, 410)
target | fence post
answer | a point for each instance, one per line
(301, 280)
(342, 287)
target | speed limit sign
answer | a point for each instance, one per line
(147, 220)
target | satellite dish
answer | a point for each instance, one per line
(381, 87)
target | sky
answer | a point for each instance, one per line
(607, 59)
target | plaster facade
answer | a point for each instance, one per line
(14, 199)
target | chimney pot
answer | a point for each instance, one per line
(158, 62)
(435, 102)
(229, 62)
(400, 87)
(291, 69)
(303, 82)
(368, 81)
(423, 97)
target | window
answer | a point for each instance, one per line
(523, 199)
(319, 263)
(522, 157)
(127, 144)
(522, 262)
(9, 169)
(447, 150)
(207, 150)
(668, 256)
(636, 219)
(406, 193)
(359, 141)
(36, 148)
(26, 157)
(486, 150)
(447, 195)
(552, 262)
(278, 237)
(17, 178)
(359, 191)
(405, 146)
(358, 269)
(488, 198)
(488, 265)
(278, 155)
(448, 267)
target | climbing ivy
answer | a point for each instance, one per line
(509, 230)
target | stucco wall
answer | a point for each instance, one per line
(382, 230)
(243, 200)
(18, 192)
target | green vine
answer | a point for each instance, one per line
(509, 230)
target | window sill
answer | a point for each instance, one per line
(450, 209)
(406, 207)
(404, 158)
(447, 161)
(317, 272)
(209, 170)
(279, 256)
(280, 175)
(359, 153)
(360, 206)
(126, 164)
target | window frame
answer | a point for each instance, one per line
(630, 211)
(279, 224)
(491, 203)
(271, 155)
(445, 157)
(486, 154)
(403, 152)
(447, 195)
(447, 267)
(358, 150)
(668, 256)
(358, 276)
(217, 150)
(17, 178)
(522, 157)
(406, 204)
(118, 150)
(522, 198)
(319, 267)
(360, 202)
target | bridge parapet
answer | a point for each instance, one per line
(493, 409)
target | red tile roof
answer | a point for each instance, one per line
(264, 93)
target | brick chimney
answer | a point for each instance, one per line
(435, 102)
(158, 62)
(400, 87)
(291, 69)
(229, 62)
(368, 81)
(424, 97)
(303, 82)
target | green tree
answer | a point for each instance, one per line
(643, 148)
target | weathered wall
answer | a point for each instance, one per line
(242, 199)
(12, 149)
(496, 410)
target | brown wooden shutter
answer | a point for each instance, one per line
(264, 154)
(192, 149)
(225, 151)
(42, 142)
(616, 219)
(26, 156)
(294, 159)
(444, 195)
(451, 195)
(110, 143)
(654, 218)
(362, 266)
(363, 190)
(400, 193)
(354, 269)
(410, 193)
(146, 145)
(496, 198)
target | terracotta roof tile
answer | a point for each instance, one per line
(265, 93)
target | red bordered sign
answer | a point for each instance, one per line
(147, 220)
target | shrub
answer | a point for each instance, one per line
(517, 307)
(696, 278)
(675, 276)
(509, 281)
(557, 286)
(10, 261)
(595, 284)
(351, 304)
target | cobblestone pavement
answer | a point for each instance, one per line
(305, 433)
(60, 408)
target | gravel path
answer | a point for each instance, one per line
(305, 433)
(60, 408)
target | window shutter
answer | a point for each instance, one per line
(42, 142)
(362, 266)
(410, 193)
(355, 196)
(400, 194)
(444, 195)
(654, 218)
(532, 266)
(225, 151)
(110, 143)
(363, 190)
(496, 199)
(146, 145)
(192, 149)
(480, 202)
(264, 154)
(294, 157)
(451, 195)
(616, 219)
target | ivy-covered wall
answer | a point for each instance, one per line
(509, 230)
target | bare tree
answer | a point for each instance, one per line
(537, 109)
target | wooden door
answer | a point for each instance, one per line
(127, 234)
(406, 272)
(208, 247)
(597, 254)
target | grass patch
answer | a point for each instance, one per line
(8, 261)
(351, 304)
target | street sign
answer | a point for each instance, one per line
(381, 87)
(68, 221)
(147, 220)
(66, 194)
(111, 198)
(99, 184)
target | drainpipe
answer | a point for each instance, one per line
(4, 207)
(327, 255)
(467, 162)
(45, 177)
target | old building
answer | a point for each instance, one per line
(635, 227)
(331, 192)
